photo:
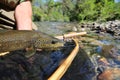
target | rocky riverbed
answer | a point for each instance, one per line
(58, 28)
(98, 57)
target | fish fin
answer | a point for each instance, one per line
(4, 53)
(30, 52)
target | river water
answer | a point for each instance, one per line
(54, 28)
(100, 53)
(98, 57)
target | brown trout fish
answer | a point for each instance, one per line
(11, 40)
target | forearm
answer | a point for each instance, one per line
(23, 16)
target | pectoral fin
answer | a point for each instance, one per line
(30, 52)
(4, 53)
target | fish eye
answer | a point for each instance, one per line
(53, 42)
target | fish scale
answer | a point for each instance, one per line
(11, 40)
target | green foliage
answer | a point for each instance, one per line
(88, 11)
(107, 12)
(75, 10)
(117, 11)
(38, 14)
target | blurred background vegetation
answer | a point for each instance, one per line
(76, 10)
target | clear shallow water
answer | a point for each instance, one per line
(53, 28)
(85, 66)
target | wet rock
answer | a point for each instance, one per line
(110, 74)
(74, 29)
(111, 27)
(103, 62)
(109, 51)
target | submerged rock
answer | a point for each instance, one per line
(108, 51)
(110, 74)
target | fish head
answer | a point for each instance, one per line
(48, 43)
